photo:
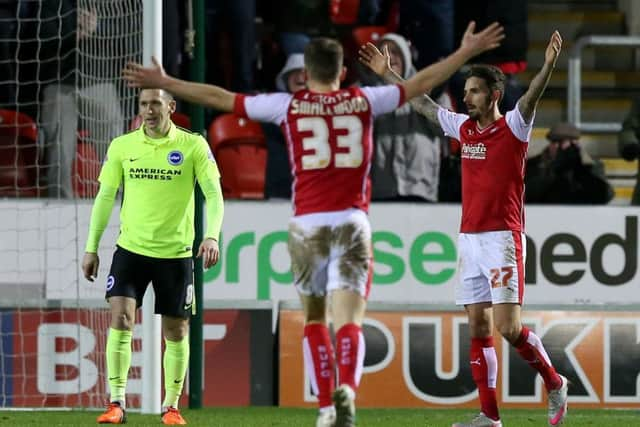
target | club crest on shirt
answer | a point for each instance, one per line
(175, 158)
(474, 151)
(110, 282)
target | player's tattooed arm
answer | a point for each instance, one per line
(422, 104)
(528, 102)
(427, 107)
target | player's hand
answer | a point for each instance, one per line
(142, 77)
(90, 264)
(370, 56)
(553, 49)
(487, 39)
(209, 251)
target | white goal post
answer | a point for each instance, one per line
(151, 326)
(64, 100)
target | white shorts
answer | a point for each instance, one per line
(491, 267)
(331, 251)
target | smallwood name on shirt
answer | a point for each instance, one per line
(151, 173)
(352, 105)
(474, 151)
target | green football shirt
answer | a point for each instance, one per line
(158, 177)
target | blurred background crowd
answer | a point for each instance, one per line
(254, 46)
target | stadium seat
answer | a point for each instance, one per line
(85, 168)
(180, 119)
(344, 12)
(19, 168)
(362, 35)
(241, 152)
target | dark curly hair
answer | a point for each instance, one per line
(492, 76)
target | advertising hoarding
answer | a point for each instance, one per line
(420, 359)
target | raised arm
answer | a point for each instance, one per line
(198, 93)
(379, 63)
(529, 101)
(426, 79)
(422, 104)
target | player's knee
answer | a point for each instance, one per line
(509, 331)
(122, 321)
(175, 330)
(479, 327)
(315, 310)
(315, 316)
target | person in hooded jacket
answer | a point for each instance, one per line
(407, 148)
(278, 177)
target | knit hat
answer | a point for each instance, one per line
(295, 61)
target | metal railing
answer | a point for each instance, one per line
(575, 80)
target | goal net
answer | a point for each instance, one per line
(62, 100)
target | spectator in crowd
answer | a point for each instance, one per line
(292, 76)
(407, 147)
(240, 16)
(369, 11)
(278, 176)
(564, 173)
(450, 186)
(64, 27)
(435, 18)
(511, 56)
(8, 36)
(173, 48)
(629, 143)
(297, 21)
(178, 49)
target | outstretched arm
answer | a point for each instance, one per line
(154, 77)
(528, 102)
(426, 79)
(379, 63)
(422, 104)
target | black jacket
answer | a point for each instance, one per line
(571, 178)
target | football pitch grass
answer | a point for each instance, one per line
(272, 416)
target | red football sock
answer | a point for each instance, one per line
(530, 348)
(350, 354)
(319, 362)
(484, 369)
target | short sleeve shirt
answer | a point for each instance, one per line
(329, 141)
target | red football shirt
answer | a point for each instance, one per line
(329, 141)
(493, 167)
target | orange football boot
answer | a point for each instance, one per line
(172, 417)
(113, 415)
